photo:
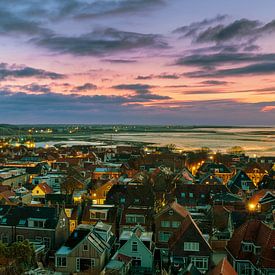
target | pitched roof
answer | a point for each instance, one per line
(186, 225)
(45, 188)
(258, 233)
(19, 215)
(223, 268)
(176, 207)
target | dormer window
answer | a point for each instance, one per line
(98, 215)
(171, 212)
(247, 247)
(39, 223)
(257, 249)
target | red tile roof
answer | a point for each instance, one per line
(223, 268)
(45, 188)
(259, 234)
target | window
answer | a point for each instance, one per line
(135, 218)
(176, 224)
(19, 238)
(39, 224)
(257, 250)
(171, 212)
(134, 246)
(5, 239)
(245, 269)
(247, 247)
(38, 239)
(200, 262)
(164, 236)
(183, 195)
(202, 196)
(191, 195)
(47, 242)
(85, 247)
(61, 261)
(56, 180)
(92, 263)
(77, 264)
(122, 200)
(165, 223)
(191, 246)
(98, 215)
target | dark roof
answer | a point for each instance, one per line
(76, 237)
(214, 167)
(58, 198)
(18, 215)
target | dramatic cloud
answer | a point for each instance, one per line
(85, 87)
(104, 7)
(142, 92)
(193, 28)
(10, 23)
(16, 71)
(254, 69)
(101, 42)
(211, 60)
(239, 29)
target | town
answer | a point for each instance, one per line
(135, 209)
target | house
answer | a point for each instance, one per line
(138, 245)
(217, 169)
(223, 268)
(106, 173)
(167, 221)
(210, 179)
(99, 193)
(254, 204)
(184, 176)
(255, 172)
(229, 200)
(188, 245)
(13, 177)
(136, 215)
(53, 180)
(8, 197)
(47, 225)
(73, 213)
(86, 250)
(241, 184)
(197, 194)
(251, 248)
(102, 212)
(40, 191)
(222, 227)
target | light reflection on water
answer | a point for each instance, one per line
(260, 141)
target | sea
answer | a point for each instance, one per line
(255, 141)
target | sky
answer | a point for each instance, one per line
(176, 62)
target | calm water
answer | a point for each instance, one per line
(253, 140)
(259, 141)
